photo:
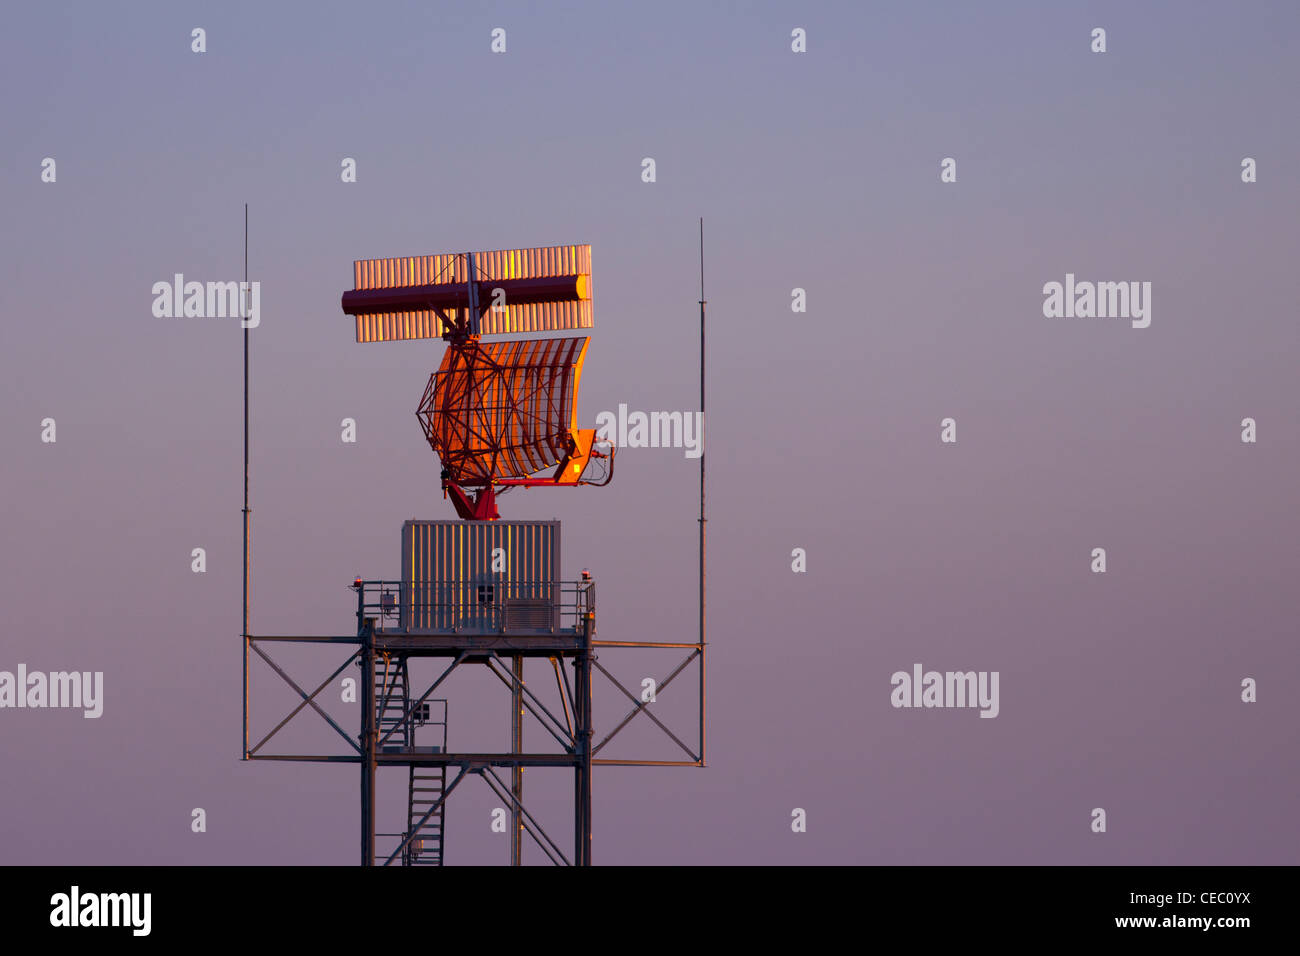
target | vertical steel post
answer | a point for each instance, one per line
(703, 520)
(242, 310)
(517, 772)
(579, 742)
(369, 735)
(472, 290)
(583, 733)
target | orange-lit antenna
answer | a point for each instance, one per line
(498, 415)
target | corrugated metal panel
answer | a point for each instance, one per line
(448, 581)
(529, 263)
(532, 263)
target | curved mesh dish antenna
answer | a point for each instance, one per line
(503, 409)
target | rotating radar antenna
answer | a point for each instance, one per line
(499, 414)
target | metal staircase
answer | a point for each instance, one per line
(391, 703)
(427, 785)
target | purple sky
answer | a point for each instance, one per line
(817, 170)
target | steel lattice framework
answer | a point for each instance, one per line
(496, 414)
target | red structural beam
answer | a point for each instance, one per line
(455, 295)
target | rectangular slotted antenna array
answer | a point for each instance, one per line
(498, 265)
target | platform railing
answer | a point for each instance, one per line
(479, 607)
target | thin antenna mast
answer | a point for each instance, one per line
(243, 313)
(703, 520)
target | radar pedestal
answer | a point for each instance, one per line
(483, 594)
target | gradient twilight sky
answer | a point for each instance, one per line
(817, 170)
